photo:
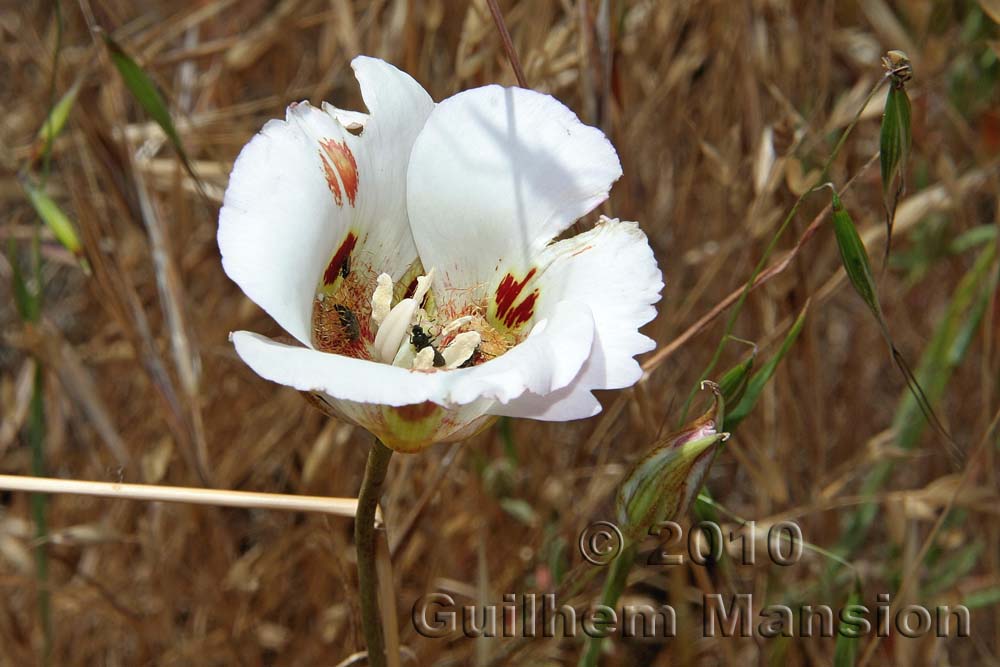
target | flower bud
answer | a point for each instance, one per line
(661, 485)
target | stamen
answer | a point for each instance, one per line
(461, 349)
(423, 286)
(394, 331)
(424, 359)
(394, 342)
(455, 325)
(382, 298)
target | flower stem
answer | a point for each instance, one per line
(614, 585)
(364, 538)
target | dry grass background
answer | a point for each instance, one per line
(140, 380)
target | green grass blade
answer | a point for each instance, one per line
(984, 598)
(39, 510)
(760, 379)
(148, 96)
(54, 218)
(952, 568)
(855, 258)
(57, 221)
(27, 302)
(772, 244)
(56, 121)
(895, 137)
(894, 148)
(973, 238)
(845, 652)
(733, 383)
(945, 352)
(859, 272)
(949, 344)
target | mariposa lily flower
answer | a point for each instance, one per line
(411, 253)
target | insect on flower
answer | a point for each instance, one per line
(421, 340)
(411, 252)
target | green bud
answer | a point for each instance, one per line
(661, 485)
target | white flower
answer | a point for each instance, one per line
(410, 251)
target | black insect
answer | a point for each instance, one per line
(421, 339)
(345, 268)
(348, 322)
(473, 358)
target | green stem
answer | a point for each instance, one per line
(731, 321)
(614, 585)
(39, 502)
(364, 538)
(49, 137)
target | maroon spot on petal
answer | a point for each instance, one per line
(416, 412)
(340, 259)
(331, 179)
(338, 156)
(522, 312)
(507, 294)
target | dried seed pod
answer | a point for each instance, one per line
(897, 66)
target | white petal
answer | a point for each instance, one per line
(495, 175)
(399, 108)
(612, 268)
(544, 362)
(547, 360)
(565, 404)
(339, 376)
(351, 120)
(287, 209)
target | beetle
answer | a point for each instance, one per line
(348, 321)
(421, 339)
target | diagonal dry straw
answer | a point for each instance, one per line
(508, 43)
(345, 507)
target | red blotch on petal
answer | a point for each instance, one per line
(522, 312)
(507, 294)
(331, 179)
(417, 411)
(340, 258)
(336, 155)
